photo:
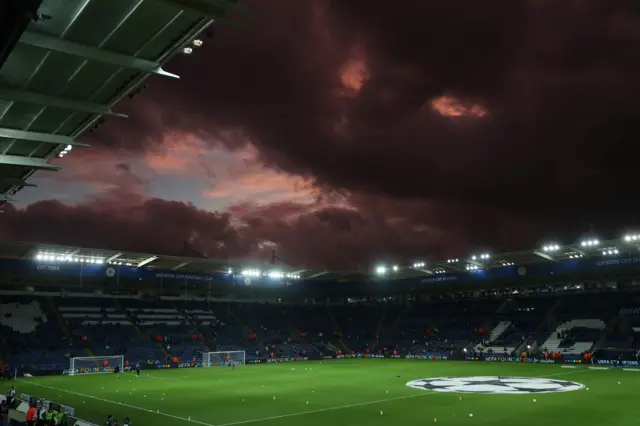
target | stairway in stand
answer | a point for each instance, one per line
(194, 325)
(64, 327)
(62, 323)
(146, 337)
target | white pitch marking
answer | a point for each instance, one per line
(264, 419)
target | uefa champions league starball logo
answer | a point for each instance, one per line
(501, 385)
(111, 272)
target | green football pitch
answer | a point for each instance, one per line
(350, 392)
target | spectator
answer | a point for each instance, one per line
(4, 413)
(32, 417)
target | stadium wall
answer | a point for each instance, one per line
(427, 357)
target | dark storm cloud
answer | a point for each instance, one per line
(557, 79)
(303, 236)
(149, 225)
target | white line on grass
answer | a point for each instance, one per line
(360, 404)
(264, 419)
(121, 404)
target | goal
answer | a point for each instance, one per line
(95, 364)
(216, 359)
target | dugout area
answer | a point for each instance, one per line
(347, 392)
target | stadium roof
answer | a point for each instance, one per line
(65, 64)
(547, 254)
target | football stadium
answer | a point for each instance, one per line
(92, 336)
(156, 340)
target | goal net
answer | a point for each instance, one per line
(217, 359)
(95, 364)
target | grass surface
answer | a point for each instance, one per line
(341, 392)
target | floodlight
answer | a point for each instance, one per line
(381, 270)
(187, 50)
(551, 248)
(229, 271)
(197, 42)
(590, 243)
(631, 237)
(610, 252)
(395, 268)
(251, 273)
(453, 260)
(418, 265)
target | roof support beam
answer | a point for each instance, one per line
(28, 162)
(39, 137)
(5, 198)
(318, 274)
(17, 182)
(76, 49)
(146, 261)
(112, 258)
(71, 254)
(180, 265)
(543, 255)
(17, 95)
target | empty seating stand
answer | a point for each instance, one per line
(584, 340)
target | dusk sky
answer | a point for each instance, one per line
(342, 133)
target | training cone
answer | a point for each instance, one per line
(381, 413)
(307, 402)
(435, 420)
(189, 418)
(158, 410)
(460, 398)
(274, 397)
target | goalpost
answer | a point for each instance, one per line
(217, 359)
(95, 364)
